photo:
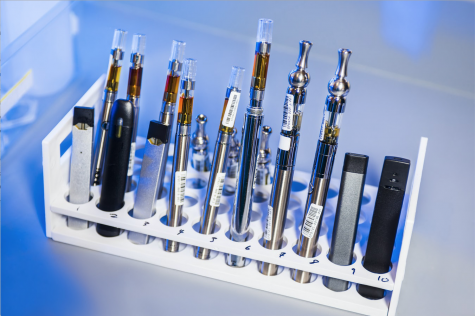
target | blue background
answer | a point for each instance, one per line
(411, 74)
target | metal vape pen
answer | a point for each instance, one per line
(347, 216)
(327, 145)
(169, 97)
(199, 146)
(387, 210)
(182, 147)
(250, 141)
(110, 95)
(116, 161)
(133, 94)
(218, 171)
(233, 156)
(154, 156)
(262, 176)
(285, 158)
(81, 159)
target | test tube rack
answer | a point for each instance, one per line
(57, 208)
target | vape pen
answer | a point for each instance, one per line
(327, 144)
(114, 179)
(110, 94)
(250, 141)
(133, 94)
(169, 97)
(81, 159)
(182, 147)
(285, 158)
(233, 156)
(199, 146)
(347, 216)
(387, 210)
(218, 171)
(154, 156)
(263, 159)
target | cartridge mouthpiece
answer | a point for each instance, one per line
(298, 77)
(339, 86)
(305, 47)
(200, 138)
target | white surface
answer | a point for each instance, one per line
(56, 169)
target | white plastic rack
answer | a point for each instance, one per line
(56, 184)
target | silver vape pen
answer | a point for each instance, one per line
(167, 112)
(218, 171)
(182, 147)
(285, 158)
(263, 158)
(133, 94)
(327, 144)
(81, 159)
(199, 146)
(250, 141)
(154, 156)
(110, 95)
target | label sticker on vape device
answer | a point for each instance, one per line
(322, 131)
(231, 109)
(311, 220)
(268, 230)
(130, 171)
(287, 122)
(284, 142)
(217, 190)
(180, 181)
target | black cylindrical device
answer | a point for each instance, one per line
(114, 177)
(387, 210)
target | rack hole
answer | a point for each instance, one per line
(250, 234)
(196, 183)
(197, 223)
(337, 284)
(353, 260)
(131, 214)
(259, 197)
(284, 242)
(298, 186)
(66, 197)
(318, 249)
(184, 219)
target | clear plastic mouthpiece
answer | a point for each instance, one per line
(178, 51)
(119, 39)
(189, 69)
(264, 31)
(138, 44)
(235, 80)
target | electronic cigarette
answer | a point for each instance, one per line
(182, 147)
(167, 112)
(327, 144)
(285, 158)
(233, 156)
(110, 95)
(387, 210)
(81, 159)
(116, 161)
(250, 141)
(133, 94)
(154, 156)
(347, 216)
(221, 151)
(263, 159)
(199, 146)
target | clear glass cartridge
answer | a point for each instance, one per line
(115, 60)
(187, 90)
(330, 129)
(174, 71)
(233, 93)
(137, 60)
(261, 61)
